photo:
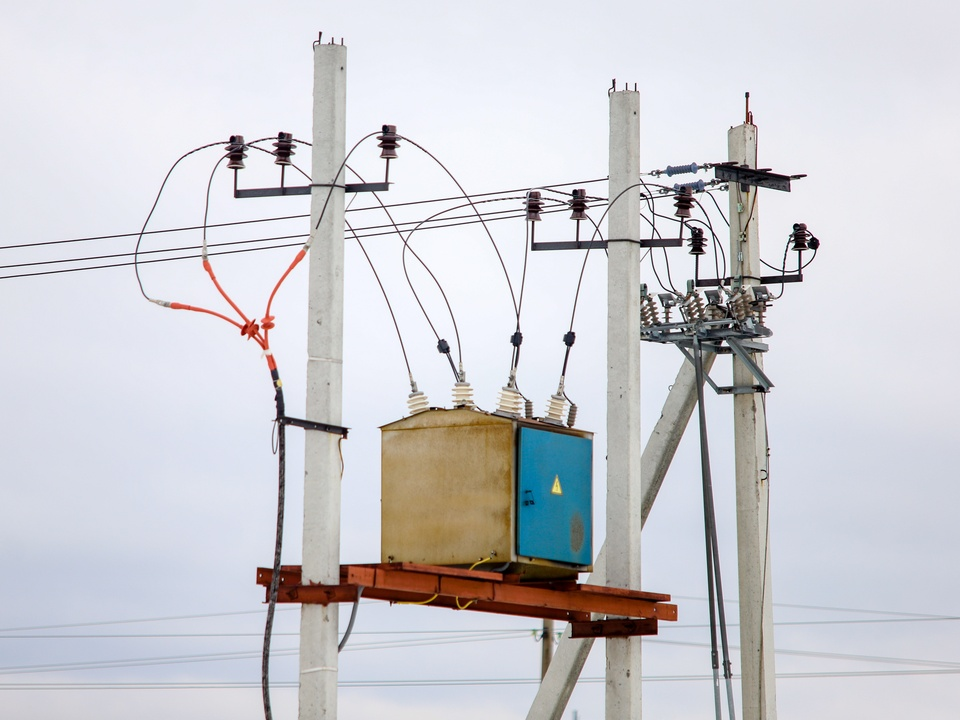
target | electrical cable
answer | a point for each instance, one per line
(899, 617)
(396, 228)
(353, 618)
(393, 317)
(138, 254)
(278, 546)
(154, 207)
(446, 682)
(468, 198)
(406, 246)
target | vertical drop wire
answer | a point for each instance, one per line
(275, 580)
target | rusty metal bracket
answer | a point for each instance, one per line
(613, 628)
(635, 612)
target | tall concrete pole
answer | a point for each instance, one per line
(561, 677)
(623, 394)
(322, 469)
(750, 446)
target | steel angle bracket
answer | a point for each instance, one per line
(312, 425)
(758, 177)
(306, 189)
(600, 244)
(740, 347)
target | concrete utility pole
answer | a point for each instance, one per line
(322, 469)
(750, 445)
(623, 394)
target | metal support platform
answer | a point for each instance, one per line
(632, 612)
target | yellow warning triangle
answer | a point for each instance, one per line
(556, 490)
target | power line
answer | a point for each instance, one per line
(301, 216)
(440, 225)
(444, 682)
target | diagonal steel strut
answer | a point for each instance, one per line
(571, 654)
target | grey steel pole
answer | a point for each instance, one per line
(322, 468)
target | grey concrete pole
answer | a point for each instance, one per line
(322, 469)
(750, 447)
(623, 394)
(571, 654)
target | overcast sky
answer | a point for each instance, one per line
(136, 471)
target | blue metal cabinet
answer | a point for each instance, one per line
(555, 499)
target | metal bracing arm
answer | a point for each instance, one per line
(571, 654)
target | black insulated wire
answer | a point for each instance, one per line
(278, 546)
(469, 199)
(154, 207)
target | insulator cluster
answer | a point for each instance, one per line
(578, 204)
(417, 402)
(695, 186)
(235, 153)
(283, 148)
(462, 394)
(533, 205)
(739, 305)
(697, 242)
(649, 315)
(509, 401)
(692, 306)
(672, 170)
(388, 142)
(683, 202)
(555, 409)
(750, 302)
(802, 238)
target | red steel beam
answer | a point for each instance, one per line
(481, 591)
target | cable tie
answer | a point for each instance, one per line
(569, 338)
(516, 338)
(267, 352)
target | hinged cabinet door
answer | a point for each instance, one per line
(555, 496)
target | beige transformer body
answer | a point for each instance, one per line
(458, 488)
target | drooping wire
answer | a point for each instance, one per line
(469, 199)
(709, 193)
(407, 247)
(333, 182)
(154, 207)
(386, 299)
